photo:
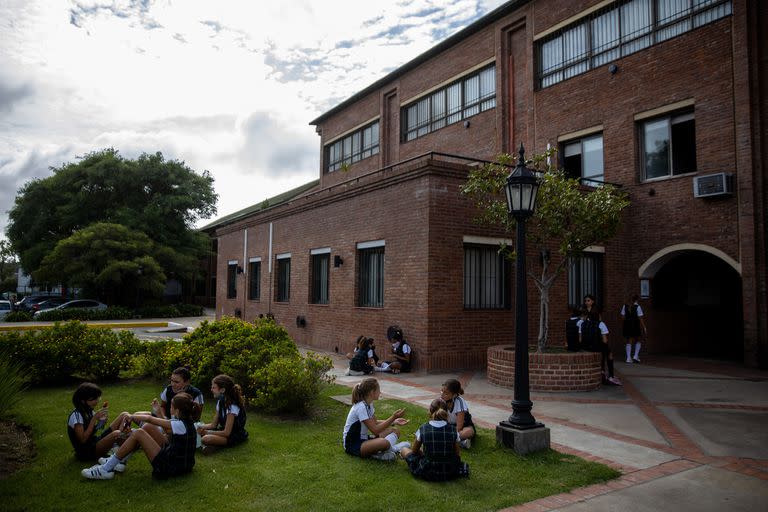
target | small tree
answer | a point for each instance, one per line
(566, 215)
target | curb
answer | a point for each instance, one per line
(115, 325)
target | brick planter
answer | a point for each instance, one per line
(561, 371)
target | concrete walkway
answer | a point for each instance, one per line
(686, 434)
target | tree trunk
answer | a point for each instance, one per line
(543, 316)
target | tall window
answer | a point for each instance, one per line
(585, 275)
(583, 159)
(464, 98)
(321, 264)
(352, 148)
(283, 278)
(669, 146)
(621, 28)
(232, 279)
(254, 279)
(370, 284)
(485, 278)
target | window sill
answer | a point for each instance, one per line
(669, 178)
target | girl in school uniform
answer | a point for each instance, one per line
(361, 421)
(228, 425)
(180, 383)
(436, 455)
(458, 411)
(83, 424)
(174, 458)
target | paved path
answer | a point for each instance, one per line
(686, 434)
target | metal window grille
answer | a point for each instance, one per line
(321, 264)
(463, 98)
(232, 280)
(585, 275)
(254, 280)
(371, 277)
(354, 147)
(620, 29)
(485, 278)
(283, 280)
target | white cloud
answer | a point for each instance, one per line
(224, 86)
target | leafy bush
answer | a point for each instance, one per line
(56, 354)
(12, 383)
(189, 310)
(232, 346)
(18, 316)
(150, 361)
(61, 315)
(290, 384)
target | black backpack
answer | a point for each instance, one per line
(591, 337)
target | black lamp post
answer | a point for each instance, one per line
(521, 189)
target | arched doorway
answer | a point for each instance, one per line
(696, 303)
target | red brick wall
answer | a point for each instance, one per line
(577, 371)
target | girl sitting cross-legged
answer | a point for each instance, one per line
(175, 457)
(83, 424)
(458, 411)
(362, 419)
(228, 425)
(436, 453)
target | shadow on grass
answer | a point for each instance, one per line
(287, 464)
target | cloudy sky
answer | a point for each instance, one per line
(224, 85)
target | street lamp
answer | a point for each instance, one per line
(521, 189)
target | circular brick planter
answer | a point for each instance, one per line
(559, 371)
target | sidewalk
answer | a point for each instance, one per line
(686, 434)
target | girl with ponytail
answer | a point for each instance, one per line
(228, 425)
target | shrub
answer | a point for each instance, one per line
(18, 316)
(189, 310)
(62, 315)
(290, 384)
(50, 356)
(230, 346)
(150, 360)
(169, 311)
(12, 383)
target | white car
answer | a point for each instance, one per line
(5, 308)
(79, 304)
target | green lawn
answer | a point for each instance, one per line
(287, 464)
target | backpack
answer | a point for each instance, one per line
(591, 337)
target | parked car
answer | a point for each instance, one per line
(26, 303)
(5, 308)
(49, 303)
(78, 304)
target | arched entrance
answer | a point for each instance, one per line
(696, 304)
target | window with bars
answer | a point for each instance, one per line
(583, 159)
(370, 287)
(321, 264)
(232, 280)
(464, 98)
(283, 291)
(254, 280)
(620, 29)
(485, 278)
(668, 146)
(352, 148)
(585, 275)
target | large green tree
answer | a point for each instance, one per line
(568, 216)
(160, 198)
(8, 266)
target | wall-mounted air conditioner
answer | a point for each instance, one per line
(713, 185)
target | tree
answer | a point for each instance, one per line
(567, 215)
(108, 260)
(162, 199)
(8, 267)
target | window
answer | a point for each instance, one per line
(321, 264)
(352, 148)
(622, 28)
(583, 159)
(585, 275)
(485, 278)
(668, 146)
(464, 98)
(283, 278)
(370, 287)
(232, 279)
(254, 279)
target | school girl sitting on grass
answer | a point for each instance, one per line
(173, 458)
(228, 425)
(83, 424)
(362, 419)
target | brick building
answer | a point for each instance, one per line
(657, 96)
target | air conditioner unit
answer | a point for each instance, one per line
(713, 185)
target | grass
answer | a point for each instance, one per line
(287, 464)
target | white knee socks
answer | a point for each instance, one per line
(637, 350)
